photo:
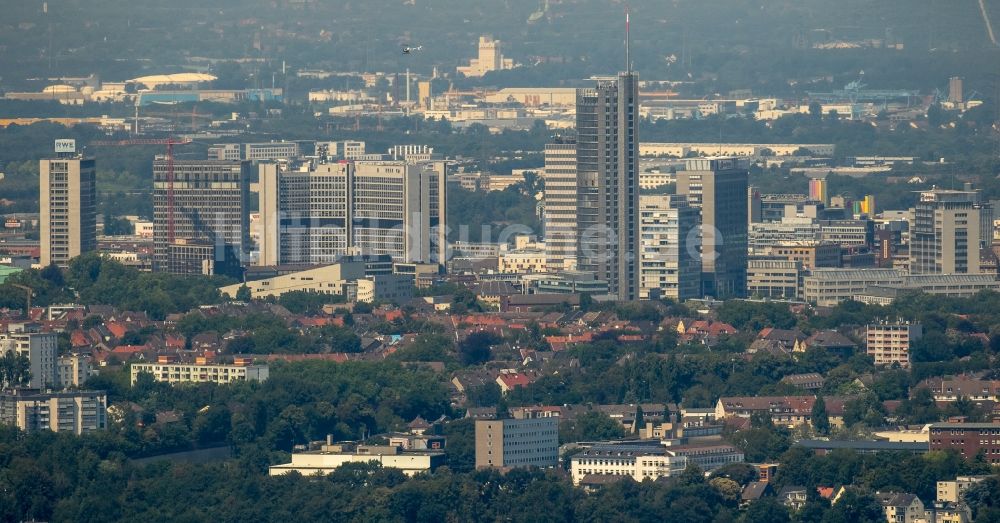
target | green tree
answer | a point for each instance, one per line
(590, 426)
(15, 370)
(855, 507)
(766, 510)
(243, 294)
(820, 418)
(475, 348)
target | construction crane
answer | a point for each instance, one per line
(170, 143)
(28, 291)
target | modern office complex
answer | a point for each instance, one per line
(319, 213)
(560, 205)
(607, 162)
(944, 235)
(509, 443)
(68, 206)
(718, 186)
(669, 266)
(210, 224)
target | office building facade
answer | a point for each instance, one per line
(67, 208)
(392, 208)
(210, 219)
(944, 234)
(560, 205)
(718, 186)
(511, 443)
(607, 162)
(669, 265)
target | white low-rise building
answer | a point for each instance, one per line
(168, 370)
(330, 457)
(647, 459)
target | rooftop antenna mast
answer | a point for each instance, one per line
(628, 43)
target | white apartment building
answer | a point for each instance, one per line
(167, 370)
(41, 350)
(952, 491)
(73, 370)
(889, 342)
(77, 412)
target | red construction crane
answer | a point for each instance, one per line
(170, 143)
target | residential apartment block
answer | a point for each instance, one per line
(76, 412)
(40, 348)
(889, 343)
(167, 369)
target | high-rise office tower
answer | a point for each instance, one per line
(718, 186)
(944, 235)
(607, 124)
(560, 205)
(68, 205)
(211, 227)
(669, 266)
(817, 190)
(318, 214)
(955, 94)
